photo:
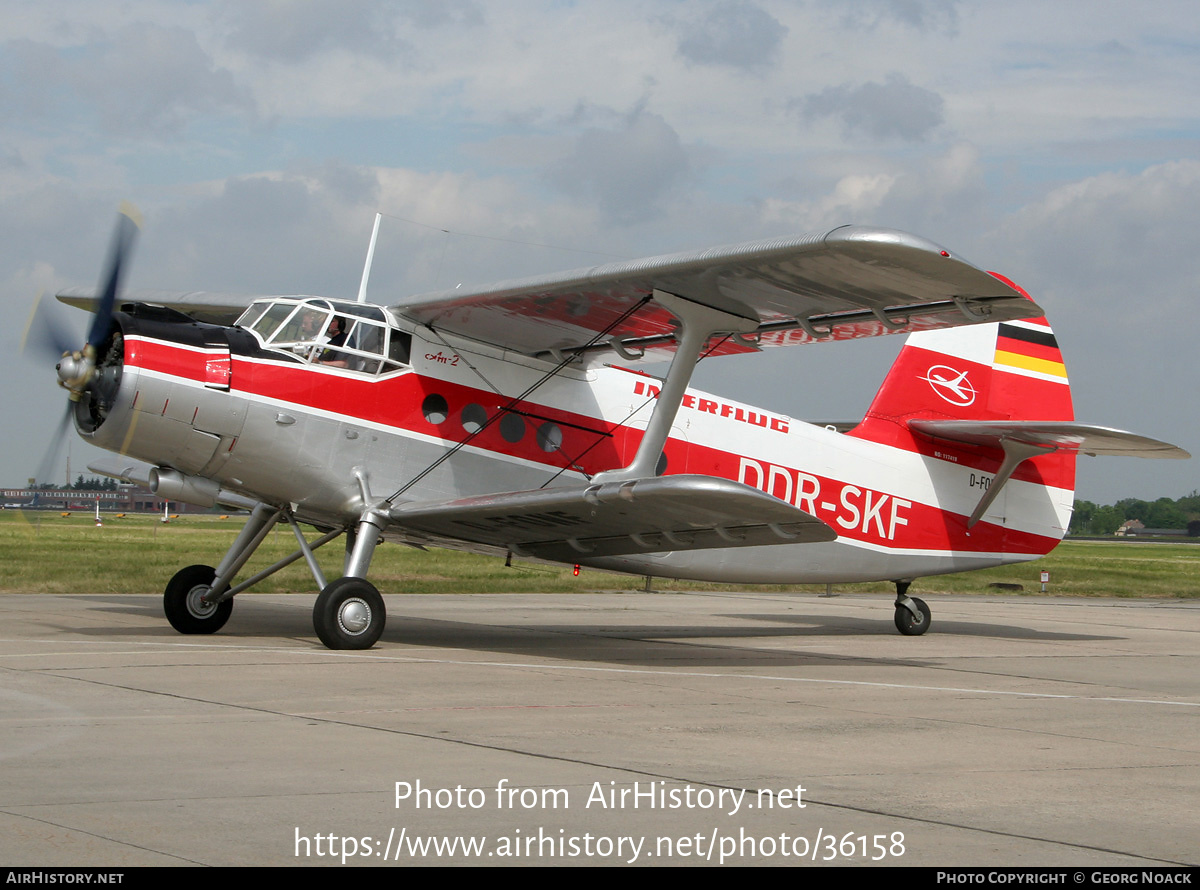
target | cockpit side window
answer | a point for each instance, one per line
(369, 338)
(400, 347)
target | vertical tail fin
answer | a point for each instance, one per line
(1007, 371)
(1011, 371)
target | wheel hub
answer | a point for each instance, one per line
(197, 605)
(354, 616)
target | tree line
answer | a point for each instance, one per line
(1094, 519)
(91, 483)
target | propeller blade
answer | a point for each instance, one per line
(128, 222)
(46, 331)
(49, 460)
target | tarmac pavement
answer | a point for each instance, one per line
(647, 729)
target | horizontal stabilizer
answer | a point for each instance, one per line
(1022, 439)
(123, 470)
(1083, 438)
(664, 513)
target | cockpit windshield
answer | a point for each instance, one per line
(354, 336)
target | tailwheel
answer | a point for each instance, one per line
(908, 623)
(184, 604)
(349, 614)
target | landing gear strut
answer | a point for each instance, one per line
(912, 614)
(349, 613)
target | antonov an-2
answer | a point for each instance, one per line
(512, 419)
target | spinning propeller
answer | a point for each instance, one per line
(86, 371)
(77, 368)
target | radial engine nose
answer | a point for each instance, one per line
(74, 370)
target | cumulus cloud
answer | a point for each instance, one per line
(293, 31)
(894, 109)
(1118, 241)
(942, 197)
(627, 169)
(472, 112)
(1113, 260)
(141, 79)
(924, 15)
(305, 230)
(733, 33)
(300, 230)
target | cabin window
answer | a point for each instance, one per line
(435, 408)
(549, 437)
(473, 418)
(512, 427)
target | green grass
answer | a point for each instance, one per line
(44, 552)
(1092, 568)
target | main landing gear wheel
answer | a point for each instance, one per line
(906, 621)
(184, 606)
(349, 614)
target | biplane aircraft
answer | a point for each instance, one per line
(514, 420)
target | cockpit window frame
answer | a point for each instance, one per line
(279, 324)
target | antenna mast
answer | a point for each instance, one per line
(362, 288)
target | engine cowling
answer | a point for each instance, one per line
(160, 390)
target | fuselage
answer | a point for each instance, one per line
(277, 425)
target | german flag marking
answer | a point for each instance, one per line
(1027, 335)
(1031, 363)
(1029, 349)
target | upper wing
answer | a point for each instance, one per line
(844, 284)
(848, 283)
(214, 308)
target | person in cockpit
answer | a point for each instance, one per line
(337, 337)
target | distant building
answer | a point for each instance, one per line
(1143, 532)
(126, 499)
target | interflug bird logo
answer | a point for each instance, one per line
(951, 384)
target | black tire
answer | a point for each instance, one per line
(181, 602)
(907, 623)
(349, 614)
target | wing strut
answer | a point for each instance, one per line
(696, 324)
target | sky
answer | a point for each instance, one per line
(1057, 143)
